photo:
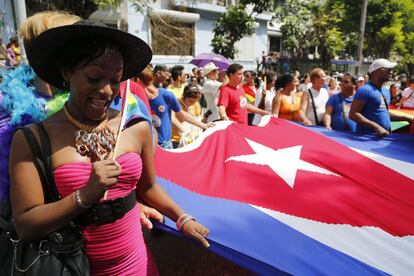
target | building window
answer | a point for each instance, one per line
(171, 37)
(274, 44)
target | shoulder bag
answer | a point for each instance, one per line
(60, 252)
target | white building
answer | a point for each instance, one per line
(198, 19)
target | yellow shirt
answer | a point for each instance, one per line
(178, 92)
(194, 110)
(16, 51)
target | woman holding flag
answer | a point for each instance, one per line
(93, 165)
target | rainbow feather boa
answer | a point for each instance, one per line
(19, 105)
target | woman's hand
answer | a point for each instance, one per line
(307, 122)
(103, 176)
(148, 213)
(381, 132)
(196, 231)
(210, 124)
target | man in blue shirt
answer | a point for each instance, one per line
(337, 108)
(370, 106)
(163, 103)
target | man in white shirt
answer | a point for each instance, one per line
(407, 99)
(210, 91)
(312, 102)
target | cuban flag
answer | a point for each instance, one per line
(282, 198)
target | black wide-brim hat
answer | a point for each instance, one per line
(42, 50)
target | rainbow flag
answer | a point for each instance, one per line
(132, 106)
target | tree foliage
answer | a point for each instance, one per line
(237, 22)
(308, 25)
(296, 27)
(332, 26)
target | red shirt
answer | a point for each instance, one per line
(138, 90)
(235, 102)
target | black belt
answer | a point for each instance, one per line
(107, 212)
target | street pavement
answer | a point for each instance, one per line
(177, 256)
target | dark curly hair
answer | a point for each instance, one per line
(191, 91)
(283, 80)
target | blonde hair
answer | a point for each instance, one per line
(33, 26)
(316, 73)
(146, 76)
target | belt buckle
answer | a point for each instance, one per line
(118, 208)
(108, 212)
(102, 215)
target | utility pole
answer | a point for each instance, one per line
(361, 35)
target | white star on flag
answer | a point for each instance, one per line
(284, 162)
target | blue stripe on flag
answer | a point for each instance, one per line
(238, 231)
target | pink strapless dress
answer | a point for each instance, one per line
(116, 248)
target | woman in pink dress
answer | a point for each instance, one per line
(90, 60)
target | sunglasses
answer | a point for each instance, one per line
(346, 82)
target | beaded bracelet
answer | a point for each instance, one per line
(79, 200)
(182, 220)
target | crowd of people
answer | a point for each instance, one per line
(343, 102)
(10, 56)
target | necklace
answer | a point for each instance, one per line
(96, 142)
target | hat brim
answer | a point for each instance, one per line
(42, 50)
(206, 72)
(391, 65)
(209, 69)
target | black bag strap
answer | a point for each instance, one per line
(38, 160)
(314, 107)
(41, 154)
(385, 100)
(47, 157)
(4, 224)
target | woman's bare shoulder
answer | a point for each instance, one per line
(141, 128)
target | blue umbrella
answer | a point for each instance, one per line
(204, 58)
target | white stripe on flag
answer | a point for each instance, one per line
(402, 167)
(368, 244)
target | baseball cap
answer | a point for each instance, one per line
(381, 63)
(360, 78)
(209, 67)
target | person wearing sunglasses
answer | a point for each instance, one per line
(371, 102)
(337, 108)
